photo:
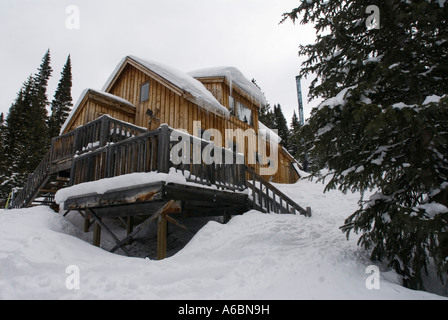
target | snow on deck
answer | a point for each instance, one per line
(129, 180)
(137, 179)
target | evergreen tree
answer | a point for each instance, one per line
(36, 116)
(383, 124)
(281, 125)
(17, 134)
(37, 111)
(3, 163)
(294, 136)
(13, 135)
(266, 116)
(25, 137)
(62, 102)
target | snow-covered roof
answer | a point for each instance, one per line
(201, 96)
(101, 93)
(232, 76)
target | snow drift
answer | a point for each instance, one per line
(254, 256)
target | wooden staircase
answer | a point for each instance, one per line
(54, 170)
(108, 147)
(268, 199)
(45, 195)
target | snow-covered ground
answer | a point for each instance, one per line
(254, 256)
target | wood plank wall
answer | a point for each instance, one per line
(90, 110)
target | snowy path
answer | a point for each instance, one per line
(254, 256)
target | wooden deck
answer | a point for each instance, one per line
(191, 201)
(107, 148)
(165, 202)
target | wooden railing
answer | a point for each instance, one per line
(137, 154)
(96, 134)
(152, 151)
(267, 198)
(91, 136)
(205, 163)
(35, 180)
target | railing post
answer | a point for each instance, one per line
(163, 152)
(75, 141)
(73, 172)
(104, 131)
(52, 150)
(108, 162)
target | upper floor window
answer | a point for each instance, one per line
(232, 107)
(240, 111)
(144, 92)
(244, 114)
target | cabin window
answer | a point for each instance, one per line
(144, 92)
(244, 114)
(232, 108)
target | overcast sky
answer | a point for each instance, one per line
(186, 34)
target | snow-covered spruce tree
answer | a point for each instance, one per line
(3, 165)
(383, 126)
(62, 102)
(26, 133)
(16, 139)
(281, 125)
(294, 136)
(266, 116)
(37, 114)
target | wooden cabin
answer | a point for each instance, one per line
(134, 125)
(148, 94)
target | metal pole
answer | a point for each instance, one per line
(299, 96)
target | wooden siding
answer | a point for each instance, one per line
(94, 106)
(169, 105)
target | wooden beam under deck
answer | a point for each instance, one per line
(148, 198)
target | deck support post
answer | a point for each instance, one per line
(162, 228)
(129, 225)
(96, 234)
(87, 224)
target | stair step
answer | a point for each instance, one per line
(48, 190)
